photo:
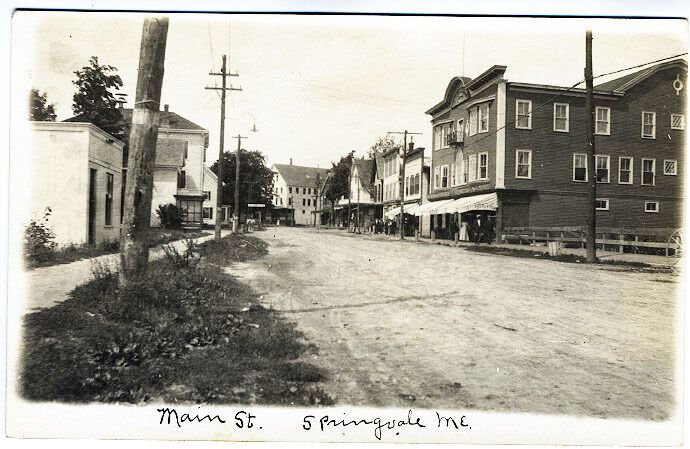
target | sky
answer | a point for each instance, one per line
(318, 87)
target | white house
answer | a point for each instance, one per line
(209, 205)
(78, 175)
(184, 185)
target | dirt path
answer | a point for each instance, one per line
(50, 285)
(400, 324)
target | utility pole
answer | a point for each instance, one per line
(359, 206)
(236, 208)
(349, 195)
(317, 198)
(401, 177)
(142, 154)
(591, 215)
(219, 190)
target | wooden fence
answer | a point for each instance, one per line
(633, 238)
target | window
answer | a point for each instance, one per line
(453, 177)
(204, 154)
(462, 172)
(207, 194)
(110, 181)
(603, 121)
(625, 170)
(670, 167)
(648, 172)
(444, 176)
(461, 130)
(304, 190)
(437, 139)
(602, 172)
(303, 211)
(523, 164)
(208, 213)
(290, 201)
(308, 201)
(304, 202)
(186, 149)
(407, 185)
(473, 122)
(602, 204)
(651, 206)
(523, 114)
(561, 113)
(648, 125)
(289, 189)
(580, 167)
(483, 168)
(484, 117)
(437, 177)
(192, 209)
(677, 121)
(417, 184)
(472, 168)
(182, 179)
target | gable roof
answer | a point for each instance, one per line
(167, 120)
(296, 175)
(466, 83)
(625, 83)
(378, 161)
(365, 168)
(170, 153)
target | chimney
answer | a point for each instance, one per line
(410, 146)
(290, 161)
(166, 108)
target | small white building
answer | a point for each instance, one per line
(209, 205)
(78, 175)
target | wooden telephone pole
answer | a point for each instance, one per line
(591, 215)
(142, 153)
(401, 177)
(219, 189)
(236, 208)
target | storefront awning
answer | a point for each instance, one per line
(407, 208)
(431, 207)
(487, 201)
(392, 213)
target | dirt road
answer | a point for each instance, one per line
(402, 324)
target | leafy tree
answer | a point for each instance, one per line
(256, 180)
(39, 110)
(382, 145)
(94, 101)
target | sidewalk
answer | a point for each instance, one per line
(656, 261)
(50, 285)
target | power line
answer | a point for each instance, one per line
(641, 65)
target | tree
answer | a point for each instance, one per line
(39, 110)
(382, 145)
(94, 102)
(339, 183)
(256, 180)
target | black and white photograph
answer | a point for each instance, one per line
(363, 228)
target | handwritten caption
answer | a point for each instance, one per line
(380, 426)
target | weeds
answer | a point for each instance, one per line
(186, 259)
(191, 335)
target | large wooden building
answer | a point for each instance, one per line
(514, 154)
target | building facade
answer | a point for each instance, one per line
(178, 180)
(78, 175)
(520, 149)
(296, 190)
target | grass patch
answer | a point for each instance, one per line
(233, 248)
(191, 334)
(72, 253)
(566, 258)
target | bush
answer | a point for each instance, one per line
(39, 240)
(171, 216)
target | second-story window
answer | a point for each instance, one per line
(648, 172)
(523, 114)
(472, 168)
(182, 180)
(625, 170)
(648, 125)
(523, 164)
(603, 163)
(444, 176)
(461, 130)
(580, 167)
(603, 121)
(483, 168)
(560, 117)
(186, 149)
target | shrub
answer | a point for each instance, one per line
(171, 216)
(186, 259)
(39, 240)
